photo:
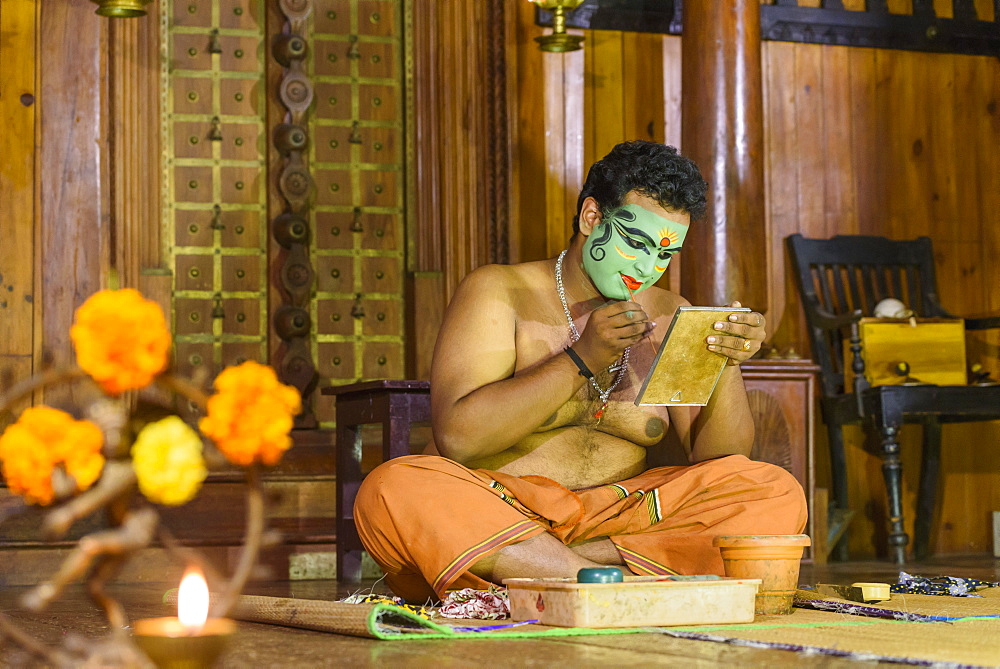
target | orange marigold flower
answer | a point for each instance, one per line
(121, 339)
(250, 416)
(43, 438)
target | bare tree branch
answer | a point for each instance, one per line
(251, 545)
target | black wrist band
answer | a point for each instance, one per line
(584, 370)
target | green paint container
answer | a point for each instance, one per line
(599, 575)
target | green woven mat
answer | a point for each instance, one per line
(386, 621)
(973, 639)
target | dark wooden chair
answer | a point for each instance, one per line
(840, 281)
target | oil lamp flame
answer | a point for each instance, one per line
(192, 599)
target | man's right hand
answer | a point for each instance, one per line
(610, 330)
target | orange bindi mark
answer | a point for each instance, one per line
(669, 238)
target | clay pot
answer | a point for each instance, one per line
(773, 558)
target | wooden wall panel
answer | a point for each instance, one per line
(611, 91)
(809, 167)
(604, 97)
(623, 90)
(644, 89)
(672, 92)
(839, 197)
(780, 183)
(868, 129)
(74, 213)
(564, 146)
(940, 161)
(17, 188)
(548, 154)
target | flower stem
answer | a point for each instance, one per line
(117, 480)
(184, 388)
(251, 545)
(44, 379)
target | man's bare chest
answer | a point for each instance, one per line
(537, 342)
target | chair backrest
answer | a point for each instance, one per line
(850, 273)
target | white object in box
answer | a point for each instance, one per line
(637, 602)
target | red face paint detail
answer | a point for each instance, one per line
(630, 282)
(664, 242)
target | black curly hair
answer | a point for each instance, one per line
(655, 170)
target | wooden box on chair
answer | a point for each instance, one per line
(897, 351)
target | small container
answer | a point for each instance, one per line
(599, 575)
(773, 558)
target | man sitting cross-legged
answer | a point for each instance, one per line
(538, 461)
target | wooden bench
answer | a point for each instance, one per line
(395, 405)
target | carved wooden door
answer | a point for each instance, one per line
(285, 145)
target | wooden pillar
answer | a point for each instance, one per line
(134, 148)
(462, 154)
(459, 194)
(722, 130)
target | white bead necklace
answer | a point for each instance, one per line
(574, 334)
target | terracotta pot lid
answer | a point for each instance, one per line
(761, 540)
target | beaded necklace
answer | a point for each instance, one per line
(574, 334)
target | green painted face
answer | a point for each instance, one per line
(630, 249)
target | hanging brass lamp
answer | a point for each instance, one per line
(559, 41)
(121, 9)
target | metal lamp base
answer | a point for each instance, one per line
(560, 43)
(121, 9)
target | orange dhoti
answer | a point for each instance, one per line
(426, 519)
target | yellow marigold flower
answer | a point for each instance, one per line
(167, 460)
(121, 339)
(43, 438)
(250, 416)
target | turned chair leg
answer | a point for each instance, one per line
(838, 479)
(348, 481)
(892, 471)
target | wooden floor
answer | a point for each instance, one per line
(258, 645)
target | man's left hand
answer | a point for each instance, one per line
(739, 337)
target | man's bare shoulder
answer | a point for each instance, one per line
(516, 273)
(503, 281)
